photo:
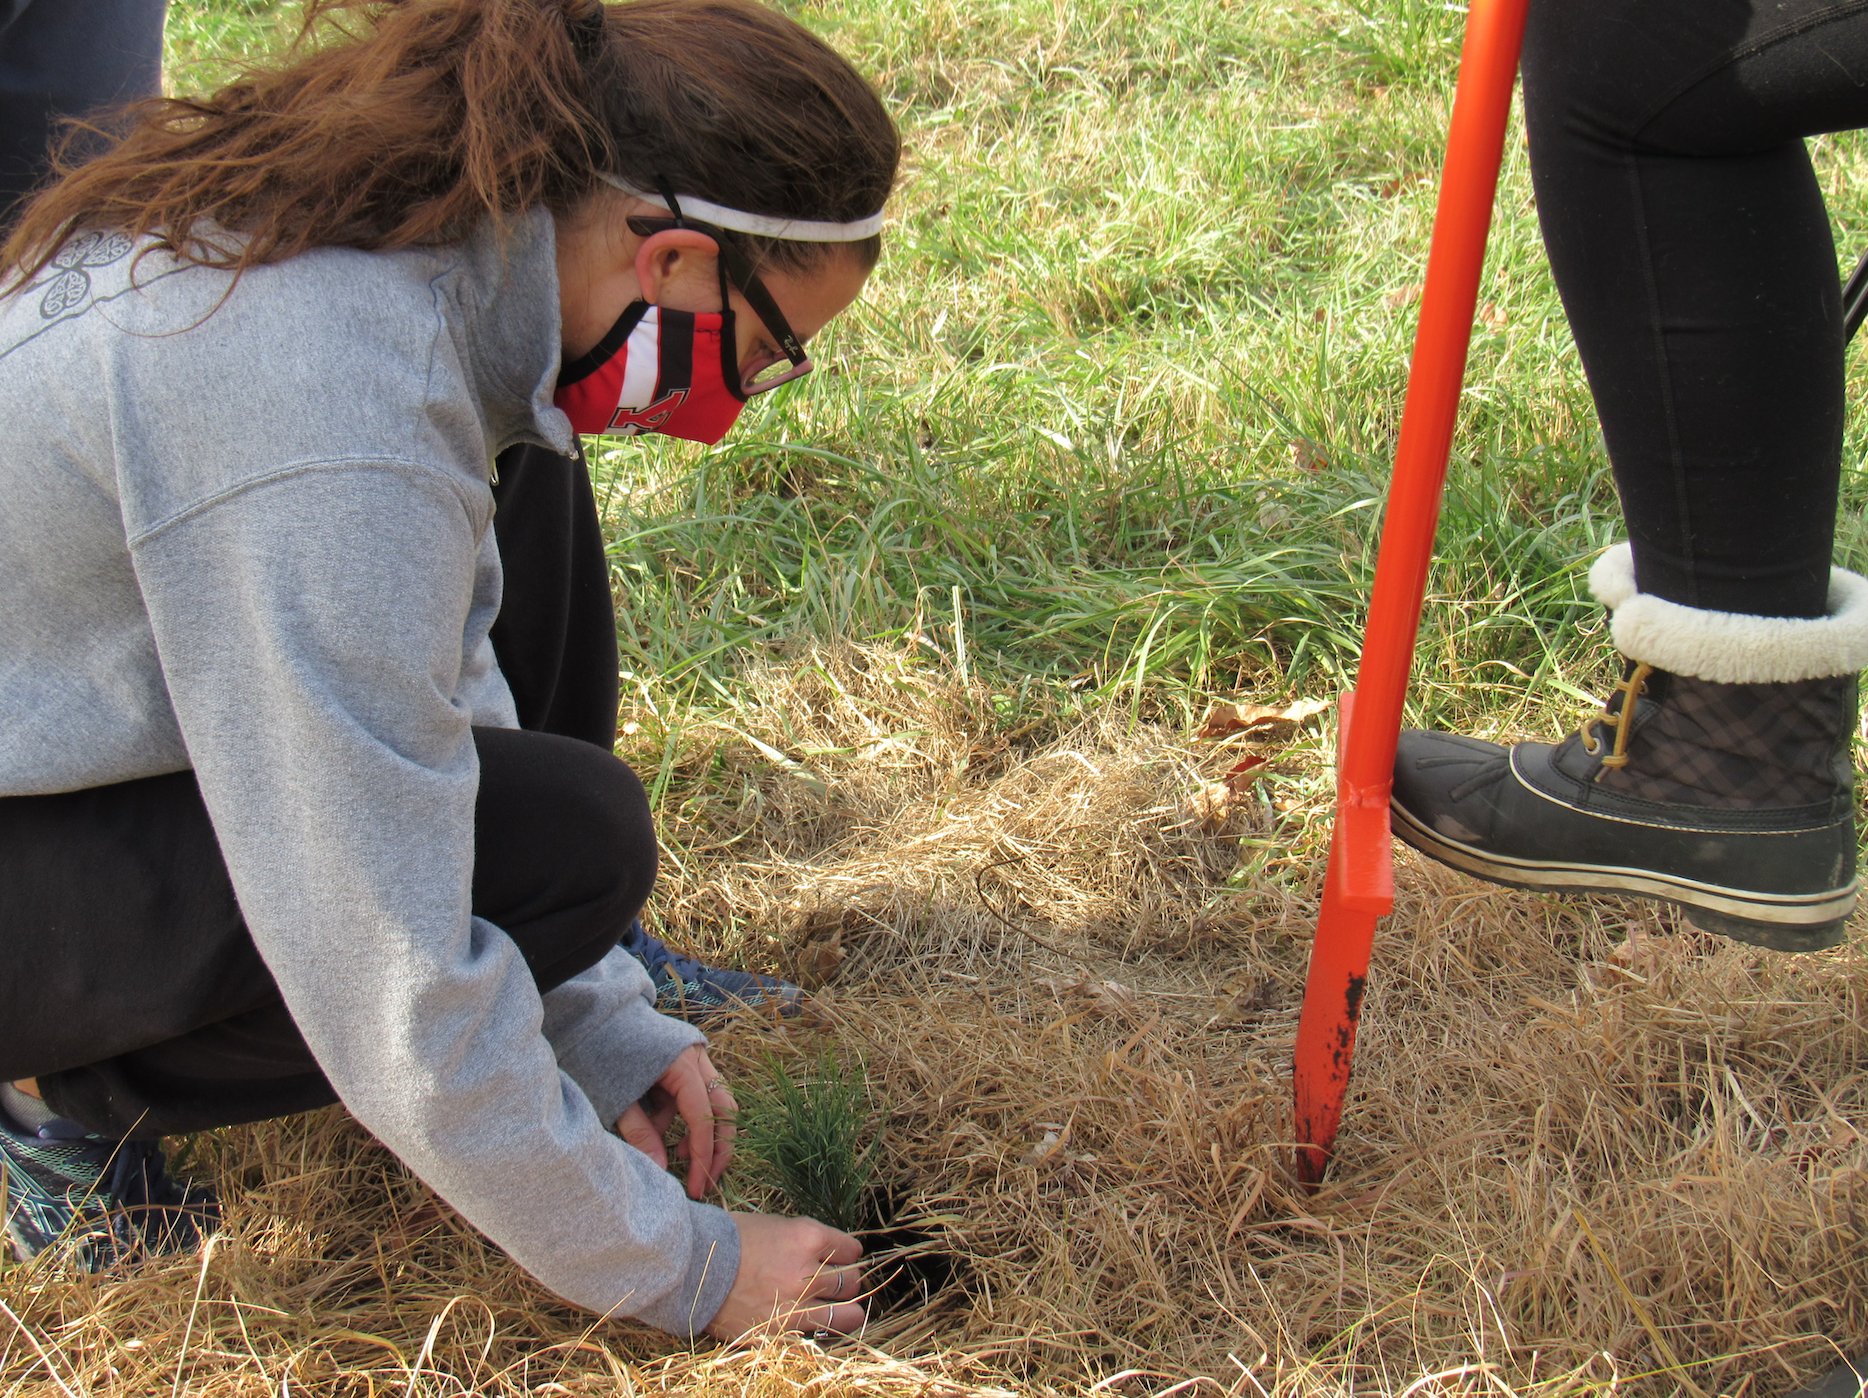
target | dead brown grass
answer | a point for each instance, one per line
(1588, 1151)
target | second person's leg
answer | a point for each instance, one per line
(1692, 249)
(67, 58)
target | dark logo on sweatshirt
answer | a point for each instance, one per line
(71, 284)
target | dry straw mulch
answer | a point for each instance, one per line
(1589, 1150)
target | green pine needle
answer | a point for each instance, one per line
(805, 1134)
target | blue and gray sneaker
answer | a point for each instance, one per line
(701, 994)
(94, 1202)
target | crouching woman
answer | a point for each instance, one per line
(270, 834)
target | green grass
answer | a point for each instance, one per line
(1129, 378)
(205, 41)
(1120, 401)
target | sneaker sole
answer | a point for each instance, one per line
(1780, 922)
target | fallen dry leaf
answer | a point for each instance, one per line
(1223, 720)
(1236, 774)
(1406, 296)
(1306, 455)
(1044, 1148)
(1215, 801)
(1274, 516)
(1243, 1006)
(818, 961)
(1492, 318)
(1109, 997)
(1212, 804)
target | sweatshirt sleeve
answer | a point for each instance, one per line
(610, 1039)
(309, 628)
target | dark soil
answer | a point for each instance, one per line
(904, 1266)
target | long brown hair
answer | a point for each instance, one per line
(408, 122)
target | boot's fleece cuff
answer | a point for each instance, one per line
(1729, 647)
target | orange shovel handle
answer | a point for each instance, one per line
(1359, 884)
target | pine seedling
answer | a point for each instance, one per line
(806, 1134)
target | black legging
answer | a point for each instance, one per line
(1693, 253)
(130, 986)
(61, 59)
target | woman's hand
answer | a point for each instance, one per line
(692, 1090)
(794, 1274)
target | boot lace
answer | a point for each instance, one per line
(1630, 689)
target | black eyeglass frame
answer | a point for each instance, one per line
(735, 268)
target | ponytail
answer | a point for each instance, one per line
(412, 122)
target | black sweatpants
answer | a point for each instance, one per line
(1693, 253)
(131, 988)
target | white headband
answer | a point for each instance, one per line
(791, 230)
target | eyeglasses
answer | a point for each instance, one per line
(771, 372)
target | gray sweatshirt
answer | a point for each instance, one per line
(247, 532)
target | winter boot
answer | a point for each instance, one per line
(1849, 1381)
(1717, 777)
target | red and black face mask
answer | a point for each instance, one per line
(678, 372)
(657, 370)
